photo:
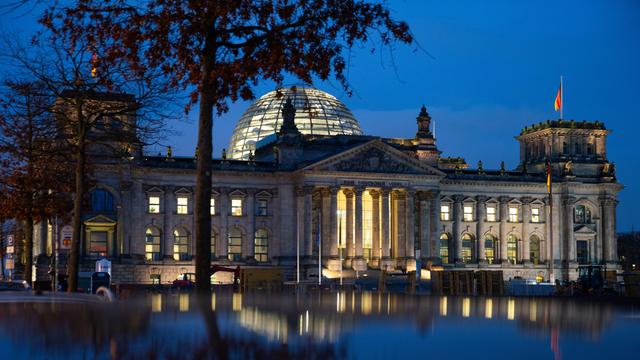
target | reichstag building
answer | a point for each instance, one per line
(300, 177)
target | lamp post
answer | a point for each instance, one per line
(340, 214)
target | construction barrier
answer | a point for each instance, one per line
(467, 282)
(261, 278)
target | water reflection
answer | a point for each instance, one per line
(335, 324)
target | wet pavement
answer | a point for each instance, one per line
(317, 325)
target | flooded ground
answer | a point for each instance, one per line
(318, 325)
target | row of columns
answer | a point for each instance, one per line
(393, 233)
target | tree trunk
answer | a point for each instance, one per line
(28, 249)
(74, 255)
(203, 175)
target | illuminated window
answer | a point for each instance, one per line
(490, 249)
(467, 248)
(263, 209)
(212, 206)
(183, 205)
(342, 223)
(491, 213)
(235, 245)
(468, 213)
(534, 249)
(261, 248)
(445, 212)
(535, 215)
(180, 244)
(513, 214)
(154, 204)
(152, 244)
(236, 207)
(444, 248)
(512, 249)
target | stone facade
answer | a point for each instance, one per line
(366, 202)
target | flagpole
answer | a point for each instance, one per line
(551, 260)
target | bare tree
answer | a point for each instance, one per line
(99, 119)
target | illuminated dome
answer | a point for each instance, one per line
(317, 113)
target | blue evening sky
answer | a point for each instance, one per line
(493, 67)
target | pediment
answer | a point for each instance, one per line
(263, 194)
(237, 193)
(100, 219)
(469, 199)
(183, 191)
(515, 201)
(584, 230)
(492, 201)
(154, 190)
(375, 157)
(537, 202)
(446, 199)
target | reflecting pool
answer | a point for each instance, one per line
(318, 325)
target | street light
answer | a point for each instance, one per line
(340, 213)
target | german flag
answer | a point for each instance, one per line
(557, 105)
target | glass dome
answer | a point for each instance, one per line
(317, 113)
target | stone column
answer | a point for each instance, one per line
(248, 246)
(350, 246)
(307, 221)
(401, 227)
(504, 216)
(222, 245)
(325, 208)
(375, 228)
(425, 227)
(410, 241)
(385, 262)
(358, 263)
(334, 262)
(610, 253)
(569, 241)
(457, 221)
(526, 220)
(411, 222)
(300, 221)
(435, 229)
(481, 217)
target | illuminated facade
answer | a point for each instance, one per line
(363, 202)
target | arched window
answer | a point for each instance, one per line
(512, 249)
(214, 241)
(578, 149)
(534, 249)
(101, 201)
(467, 248)
(490, 248)
(180, 244)
(589, 149)
(565, 148)
(152, 244)
(235, 245)
(582, 215)
(444, 248)
(261, 249)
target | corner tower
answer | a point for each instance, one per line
(424, 141)
(577, 148)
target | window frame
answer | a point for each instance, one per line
(494, 207)
(262, 210)
(445, 215)
(183, 247)
(261, 251)
(153, 255)
(468, 216)
(513, 217)
(233, 207)
(182, 209)
(535, 215)
(150, 205)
